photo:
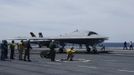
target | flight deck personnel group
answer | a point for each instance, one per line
(126, 45)
(23, 48)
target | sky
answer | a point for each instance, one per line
(111, 18)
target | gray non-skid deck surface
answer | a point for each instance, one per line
(84, 64)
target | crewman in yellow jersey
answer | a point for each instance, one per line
(21, 48)
(70, 54)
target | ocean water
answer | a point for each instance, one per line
(113, 44)
(117, 44)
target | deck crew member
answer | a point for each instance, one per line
(70, 54)
(52, 47)
(12, 48)
(27, 51)
(21, 48)
(3, 47)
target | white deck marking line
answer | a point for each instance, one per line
(58, 60)
(86, 61)
(126, 71)
(54, 63)
(62, 61)
(79, 60)
(90, 67)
